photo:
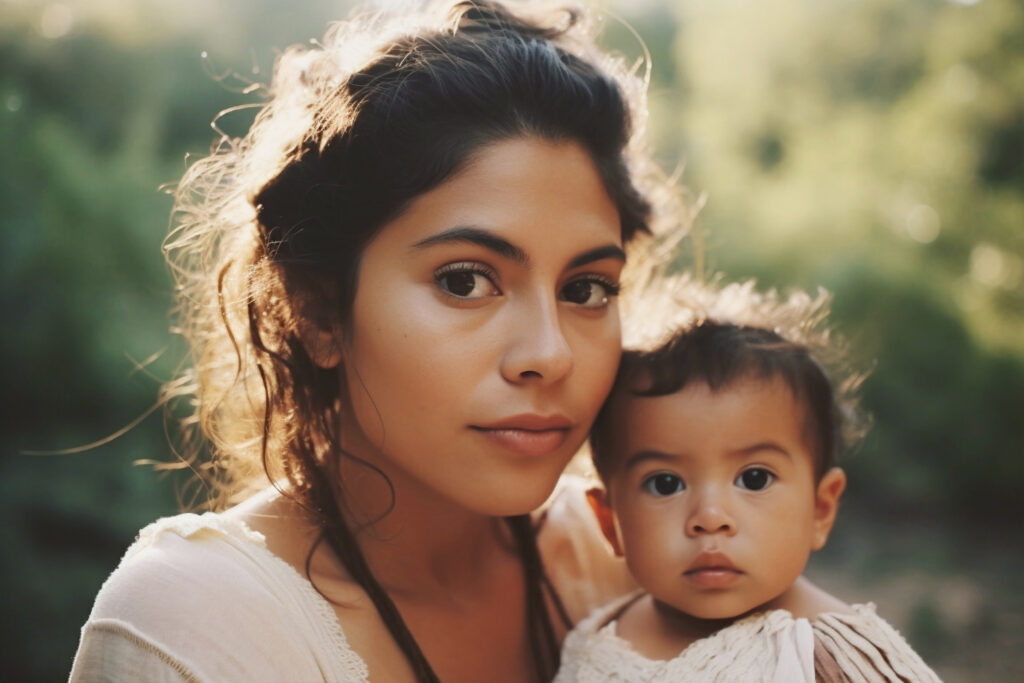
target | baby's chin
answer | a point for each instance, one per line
(709, 611)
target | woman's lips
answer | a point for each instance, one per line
(530, 435)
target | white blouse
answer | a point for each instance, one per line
(201, 598)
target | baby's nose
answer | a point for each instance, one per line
(709, 516)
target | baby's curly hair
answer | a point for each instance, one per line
(725, 333)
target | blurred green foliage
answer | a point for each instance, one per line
(875, 148)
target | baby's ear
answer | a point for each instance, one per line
(598, 499)
(826, 504)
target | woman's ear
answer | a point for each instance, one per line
(323, 344)
(826, 504)
(598, 499)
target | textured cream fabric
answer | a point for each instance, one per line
(201, 599)
(770, 647)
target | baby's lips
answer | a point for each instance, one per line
(711, 560)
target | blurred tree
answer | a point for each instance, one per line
(98, 109)
(875, 148)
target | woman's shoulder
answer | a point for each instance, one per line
(181, 558)
(206, 590)
(177, 562)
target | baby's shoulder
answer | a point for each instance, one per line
(859, 642)
(807, 601)
(853, 638)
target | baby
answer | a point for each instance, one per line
(718, 456)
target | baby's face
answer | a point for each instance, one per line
(713, 495)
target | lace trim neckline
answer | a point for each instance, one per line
(190, 524)
(605, 621)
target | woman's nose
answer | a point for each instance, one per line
(709, 515)
(537, 348)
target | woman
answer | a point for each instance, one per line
(399, 288)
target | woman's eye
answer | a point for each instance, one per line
(589, 292)
(466, 281)
(755, 479)
(664, 484)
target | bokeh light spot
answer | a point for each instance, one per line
(988, 265)
(56, 21)
(962, 83)
(923, 224)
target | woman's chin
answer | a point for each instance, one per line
(516, 498)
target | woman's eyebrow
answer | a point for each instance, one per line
(506, 249)
(498, 245)
(609, 251)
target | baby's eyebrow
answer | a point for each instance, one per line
(761, 446)
(647, 456)
(643, 457)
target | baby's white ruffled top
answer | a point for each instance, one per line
(769, 647)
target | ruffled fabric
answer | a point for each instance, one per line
(867, 649)
(771, 647)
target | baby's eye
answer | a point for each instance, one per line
(755, 479)
(663, 484)
(589, 292)
(466, 281)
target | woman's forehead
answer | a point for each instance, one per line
(522, 194)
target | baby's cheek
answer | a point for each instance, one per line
(648, 554)
(790, 552)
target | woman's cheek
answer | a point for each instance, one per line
(599, 361)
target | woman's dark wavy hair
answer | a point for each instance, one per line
(268, 232)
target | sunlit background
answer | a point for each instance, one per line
(873, 147)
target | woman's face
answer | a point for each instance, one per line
(484, 333)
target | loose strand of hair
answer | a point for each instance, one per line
(543, 641)
(345, 546)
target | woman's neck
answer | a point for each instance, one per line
(417, 542)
